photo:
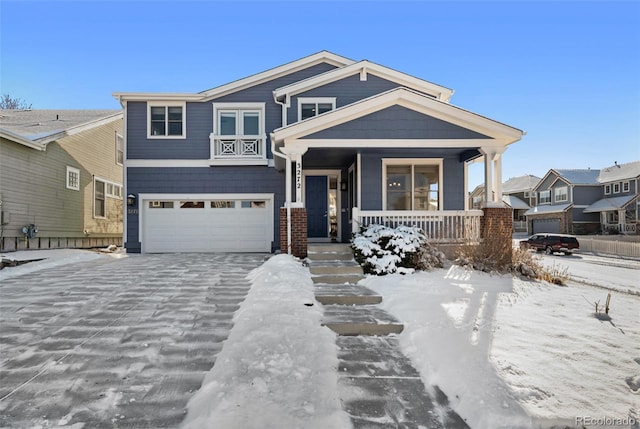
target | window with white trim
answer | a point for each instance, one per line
(561, 194)
(310, 107)
(607, 189)
(412, 184)
(616, 188)
(238, 131)
(626, 186)
(119, 149)
(73, 178)
(545, 197)
(114, 190)
(166, 120)
(99, 201)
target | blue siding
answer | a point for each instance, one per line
(579, 216)
(247, 179)
(587, 195)
(199, 120)
(453, 176)
(397, 122)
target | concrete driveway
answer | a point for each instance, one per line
(115, 343)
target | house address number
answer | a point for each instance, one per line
(298, 175)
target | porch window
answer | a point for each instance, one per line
(561, 194)
(166, 120)
(238, 131)
(310, 107)
(412, 185)
(545, 197)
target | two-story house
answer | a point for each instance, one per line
(619, 207)
(563, 196)
(60, 175)
(308, 150)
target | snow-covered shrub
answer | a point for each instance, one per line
(384, 250)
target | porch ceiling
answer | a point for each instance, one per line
(328, 158)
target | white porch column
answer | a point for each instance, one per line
(295, 154)
(492, 176)
(298, 160)
(622, 220)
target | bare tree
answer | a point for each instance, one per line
(8, 102)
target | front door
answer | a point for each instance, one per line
(316, 201)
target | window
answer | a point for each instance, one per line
(310, 107)
(412, 185)
(223, 204)
(99, 207)
(561, 194)
(238, 131)
(73, 178)
(166, 120)
(114, 190)
(192, 204)
(607, 189)
(616, 188)
(119, 149)
(161, 204)
(626, 186)
(545, 197)
(253, 204)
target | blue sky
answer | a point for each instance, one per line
(566, 72)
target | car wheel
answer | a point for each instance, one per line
(567, 253)
(548, 250)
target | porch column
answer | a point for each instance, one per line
(622, 220)
(492, 176)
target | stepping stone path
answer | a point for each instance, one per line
(378, 385)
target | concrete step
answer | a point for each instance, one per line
(329, 248)
(337, 278)
(329, 256)
(347, 294)
(360, 320)
(336, 269)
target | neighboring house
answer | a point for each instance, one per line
(310, 150)
(619, 207)
(61, 174)
(563, 196)
(517, 194)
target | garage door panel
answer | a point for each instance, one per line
(241, 228)
(546, 225)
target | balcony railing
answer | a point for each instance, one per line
(238, 147)
(442, 226)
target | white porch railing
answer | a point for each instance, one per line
(441, 226)
(234, 147)
(625, 228)
(520, 226)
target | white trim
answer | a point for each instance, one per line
(500, 134)
(142, 197)
(305, 144)
(17, 138)
(125, 207)
(555, 194)
(77, 172)
(316, 101)
(626, 186)
(607, 189)
(540, 197)
(121, 137)
(166, 104)
(104, 182)
(363, 68)
(616, 185)
(195, 163)
(359, 179)
(413, 162)
(265, 76)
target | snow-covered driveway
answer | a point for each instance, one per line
(122, 342)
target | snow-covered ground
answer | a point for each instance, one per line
(508, 352)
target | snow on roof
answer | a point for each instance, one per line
(39, 124)
(580, 176)
(629, 170)
(547, 209)
(520, 183)
(515, 202)
(608, 204)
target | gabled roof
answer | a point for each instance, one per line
(514, 202)
(240, 84)
(571, 176)
(363, 68)
(538, 210)
(520, 184)
(36, 128)
(627, 171)
(503, 134)
(609, 204)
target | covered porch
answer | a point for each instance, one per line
(618, 215)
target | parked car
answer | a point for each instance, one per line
(551, 243)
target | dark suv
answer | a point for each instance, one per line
(551, 243)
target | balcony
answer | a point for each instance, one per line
(238, 150)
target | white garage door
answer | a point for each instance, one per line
(239, 223)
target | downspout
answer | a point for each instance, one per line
(287, 178)
(125, 191)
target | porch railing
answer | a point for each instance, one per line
(519, 226)
(625, 228)
(442, 226)
(238, 147)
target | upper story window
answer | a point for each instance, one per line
(545, 197)
(607, 189)
(119, 149)
(310, 107)
(73, 178)
(412, 184)
(616, 188)
(166, 120)
(626, 186)
(561, 194)
(238, 132)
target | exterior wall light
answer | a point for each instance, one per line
(131, 200)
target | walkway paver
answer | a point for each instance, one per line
(115, 343)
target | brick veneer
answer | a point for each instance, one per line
(298, 232)
(496, 227)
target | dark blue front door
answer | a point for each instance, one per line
(316, 197)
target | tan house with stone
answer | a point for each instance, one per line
(60, 178)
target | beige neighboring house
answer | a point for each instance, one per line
(60, 175)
